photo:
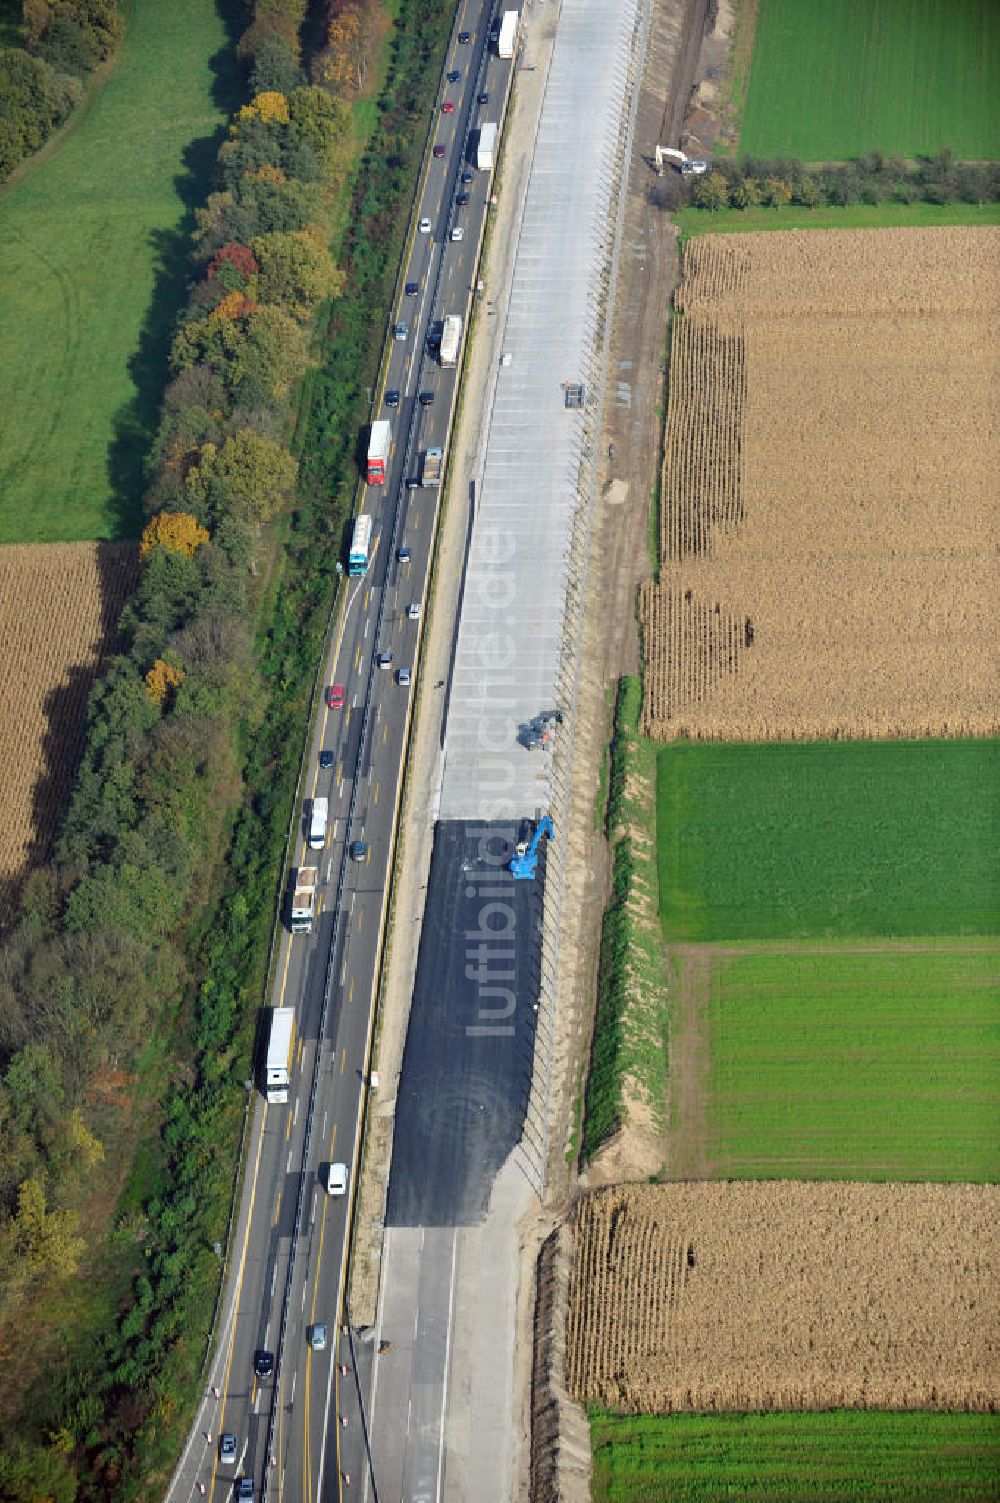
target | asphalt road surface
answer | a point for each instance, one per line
(288, 1426)
(467, 1065)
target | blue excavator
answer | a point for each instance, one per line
(524, 863)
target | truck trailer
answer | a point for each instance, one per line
(280, 1047)
(507, 35)
(451, 339)
(431, 472)
(318, 817)
(379, 443)
(486, 146)
(303, 900)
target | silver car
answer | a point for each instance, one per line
(317, 1337)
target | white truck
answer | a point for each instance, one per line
(318, 816)
(507, 34)
(486, 146)
(451, 339)
(303, 901)
(280, 1047)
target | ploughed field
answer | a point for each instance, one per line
(829, 531)
(703, 1297)
(59, 604)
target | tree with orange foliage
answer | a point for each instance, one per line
(234, 305)
(176, 530)
(343, 63)
(162, 679)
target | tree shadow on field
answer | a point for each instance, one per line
(135, 423)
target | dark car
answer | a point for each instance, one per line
(426, 398)
(482, 99)
(358, 850)
(465, 36)
(454, 76)
(438, 151)
(467, 176)
(404, 555)
(244, 1490)
(326, 757)
(412, 288)
(462, 199)
(263, 1363)
(392, 397)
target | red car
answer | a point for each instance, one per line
(447, 108)
(439, 151)
(336, 696)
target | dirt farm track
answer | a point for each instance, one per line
(779, 1295)
(829, 528)
(59, 603)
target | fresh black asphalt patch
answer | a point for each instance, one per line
(467, 1064)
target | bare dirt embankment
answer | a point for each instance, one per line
(829, 532)
(59, 603)
(786, 1296)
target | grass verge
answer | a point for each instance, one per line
(829, 1457)
(829, 81)
(93, 267)
(629, 1051)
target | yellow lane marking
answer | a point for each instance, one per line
(361, 917)
(277, 1208)
(239, 1287)
(350, 993)
(343, 1060)
(368, 596)
(298, 1052)
(375, 794)
(284, 974)
(357, 657)
(385, 732)
(288, 1126)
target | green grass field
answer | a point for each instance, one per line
(855, 1064)
(830, 1457)
(93, 266)
(828, 217)
(828, 839)
(830, 81)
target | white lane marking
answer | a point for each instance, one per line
(447, 1356)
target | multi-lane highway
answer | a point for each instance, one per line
(287, 1259)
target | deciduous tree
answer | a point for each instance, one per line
(296, 271)
(176, 530)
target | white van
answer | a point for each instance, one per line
(336, 1179)
(317, 823)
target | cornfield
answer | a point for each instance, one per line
(829, 530)
(753, 1296)
(59, 603)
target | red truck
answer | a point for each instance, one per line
(379, 442)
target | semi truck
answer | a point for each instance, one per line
(486, 146)
(303, 901)
(431, 472)
(451, 339)
(507, 35)
(379, 443)
(360, 549)
(278, 1062)
(318, 816)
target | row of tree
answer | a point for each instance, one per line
(153, 919)
(873, 179)
(43, 81)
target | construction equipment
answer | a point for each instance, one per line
(689, 166)
(524, 863)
